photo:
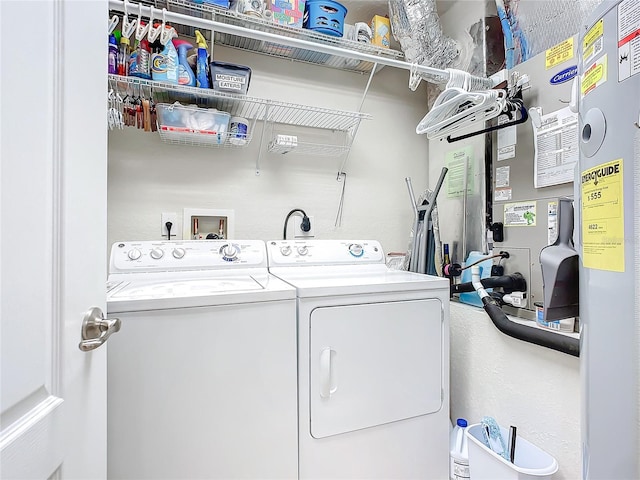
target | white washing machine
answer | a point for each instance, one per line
(373, 362)
(202, 375)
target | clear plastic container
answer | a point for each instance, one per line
(459, 452)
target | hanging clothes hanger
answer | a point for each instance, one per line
(128, 26)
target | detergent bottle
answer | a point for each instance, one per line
(202, 62)
(164, 60)
(185, 73)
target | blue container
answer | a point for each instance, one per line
(324, 16)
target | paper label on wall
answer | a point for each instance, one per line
(507, 138)
(552, 222)
(456, 161)
(501, 194)
(594, 75)
(628, 39)
(559, 54)
(502, 176)
(592, 44)
(556, 148)
(603, 217)
(521, 214)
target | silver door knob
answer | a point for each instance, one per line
(96, 329)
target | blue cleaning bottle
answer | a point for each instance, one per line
(202, 62)
(185, 73)
(164, 63)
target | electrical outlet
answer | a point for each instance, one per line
(169, 217)
(297, 231)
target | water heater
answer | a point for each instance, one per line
(607, 198)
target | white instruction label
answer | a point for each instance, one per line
(628, 39)
(502, 176)
(502, 194)
(555, 145)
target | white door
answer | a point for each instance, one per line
(373, 364)
(52, 237)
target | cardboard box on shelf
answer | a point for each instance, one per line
(381, 29)
(287, 12)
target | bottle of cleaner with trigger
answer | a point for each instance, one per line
(185, 73)
(202, 62)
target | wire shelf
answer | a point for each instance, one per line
(309, 149)
(240, 105)
(274, 49)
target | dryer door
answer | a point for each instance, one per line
(374, 363)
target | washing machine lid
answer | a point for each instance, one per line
(182, 291)
(363, 279)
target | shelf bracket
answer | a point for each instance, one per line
(265, 120)
(351, 135)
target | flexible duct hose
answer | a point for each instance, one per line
(537, 336)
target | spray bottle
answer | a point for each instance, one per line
(185, 74)
(202, 62)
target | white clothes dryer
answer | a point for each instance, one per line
(202, 377)
(373, 362)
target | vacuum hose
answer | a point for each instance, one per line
(537, 336)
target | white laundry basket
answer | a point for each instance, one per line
(530, 462)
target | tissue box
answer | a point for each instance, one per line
(287, 12)
(381, 29)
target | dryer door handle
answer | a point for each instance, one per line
(328, 384)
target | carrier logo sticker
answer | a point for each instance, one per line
(564, 76)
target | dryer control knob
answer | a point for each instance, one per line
(303, 250)
(229, 252)
(178, 253)
(356, 250)
(286, 250)
(134, 254)
(156, 253)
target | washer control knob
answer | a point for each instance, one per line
(356, 250)
(178, 253)
(286, 250)
(229, 252)
(156, 253)
(134, 254)
(303, 250)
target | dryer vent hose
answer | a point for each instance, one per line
(537, 336)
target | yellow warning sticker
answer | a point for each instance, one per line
(559, 54)
(594, 76)
(603, 217)
(592, 35)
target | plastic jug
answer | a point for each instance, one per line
(459, 452)
(472, 298)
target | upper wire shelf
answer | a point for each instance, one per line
(241, 105)
(275, 49)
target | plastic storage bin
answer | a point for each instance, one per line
(229, 77)
(190, 124)
(530, 462)
(324, 16)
